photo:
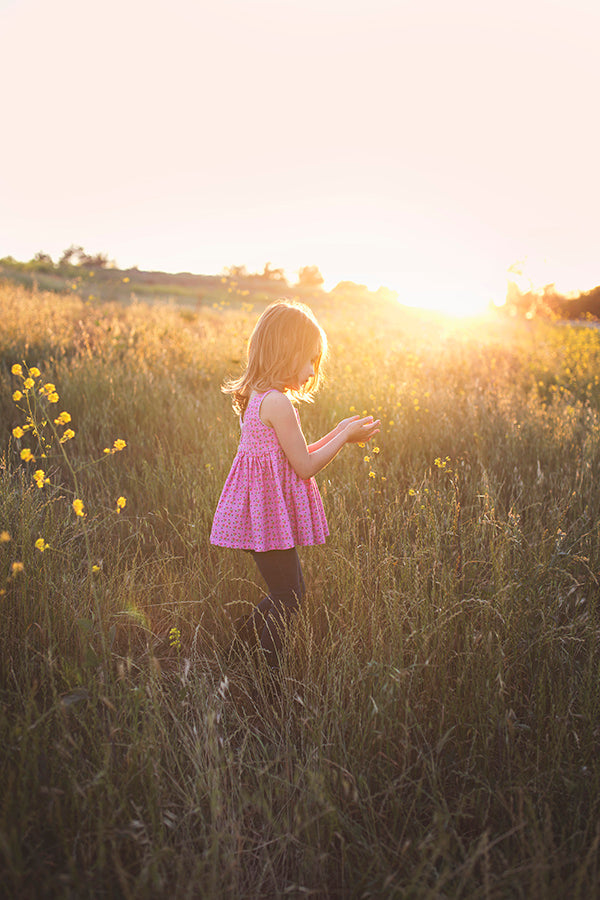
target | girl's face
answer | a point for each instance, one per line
(306, 371)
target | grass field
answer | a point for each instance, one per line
(436, 731)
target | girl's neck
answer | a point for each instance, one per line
(255, 393)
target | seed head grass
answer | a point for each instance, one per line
(433, 729)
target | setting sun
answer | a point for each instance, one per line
(465, 301)
(450, 297)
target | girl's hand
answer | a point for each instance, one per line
(277, 412)
(357, 431)
(341, 425)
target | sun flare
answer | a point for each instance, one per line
(458, 300)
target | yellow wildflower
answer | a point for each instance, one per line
(41, 545)
(4, 537)
(95, 568)
(63, 419)
(119, 444)
(48, 388)
(34, 372)
(106, 450)
(17, 369)
(39, 476)
(366, 459)
(67, 436)
(53, 397)
(121, 503)
(371, 474)
(28, 384)
(17, 396)
(27, 455)
(18, 432)
(175, 638)
(78, 507)
(17, 567)
(375, 449)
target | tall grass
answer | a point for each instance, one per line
(434, 732)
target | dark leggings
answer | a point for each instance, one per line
(282, 571)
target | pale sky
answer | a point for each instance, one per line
(425, 146)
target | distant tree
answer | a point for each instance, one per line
(76, 256)
(518, 302)
(310, 277)
(581, 306)
(544, 302)
(96, 261)
(71, 256)
(350, 289)
(235, 271)
(41, 257)
(592, 302)
(386, 295)
(272, 274)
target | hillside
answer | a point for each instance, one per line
(234, 288)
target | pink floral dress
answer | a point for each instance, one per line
(264, 504)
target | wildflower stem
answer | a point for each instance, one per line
(93, 587)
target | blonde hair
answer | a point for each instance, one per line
(286, 336)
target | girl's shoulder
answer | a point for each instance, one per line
(275, 405)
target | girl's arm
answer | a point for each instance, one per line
(277, 412)
(326, 438)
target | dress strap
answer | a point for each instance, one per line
(259, 397)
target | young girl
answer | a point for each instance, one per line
(270, 504)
